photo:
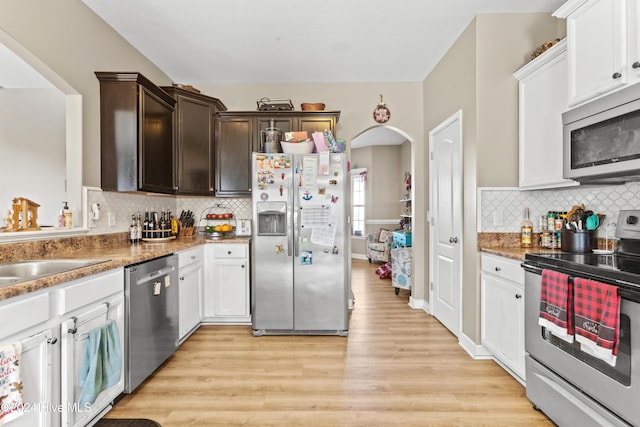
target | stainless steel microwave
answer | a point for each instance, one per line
(601, 139)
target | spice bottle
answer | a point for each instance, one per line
(526, 230)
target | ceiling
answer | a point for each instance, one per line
(258, 41)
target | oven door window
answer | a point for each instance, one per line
(621, 372)
(610, 141)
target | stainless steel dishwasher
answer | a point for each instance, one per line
(151, 317)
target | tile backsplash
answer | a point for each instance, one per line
(501, 209)
(123, 205)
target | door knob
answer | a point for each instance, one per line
(453, 240)
(616, 75)
(635, 65)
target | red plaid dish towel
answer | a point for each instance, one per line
(556, 305)
(597, 311)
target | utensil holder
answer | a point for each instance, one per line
(579, 241)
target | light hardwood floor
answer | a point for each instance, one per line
(398, 366)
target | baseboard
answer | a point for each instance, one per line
(359, 256)
(476, 351)
(419, 304)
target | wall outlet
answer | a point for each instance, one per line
(111, 219)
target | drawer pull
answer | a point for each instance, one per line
(518, 296)
(52, 340)
(616, 76)
(498, 269)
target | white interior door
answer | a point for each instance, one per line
(445, 206)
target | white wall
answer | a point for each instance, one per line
(32, 150)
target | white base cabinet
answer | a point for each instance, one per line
(227, 283)
(502, 305)
(53, 326)
(84, 305)
(191, 288)
(27, 320)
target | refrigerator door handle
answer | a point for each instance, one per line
(296, 211)
(290, 217)
(297, 238)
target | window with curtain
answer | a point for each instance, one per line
(358, 180)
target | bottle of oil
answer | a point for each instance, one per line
(526, 230)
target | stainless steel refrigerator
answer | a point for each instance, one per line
(301, 271)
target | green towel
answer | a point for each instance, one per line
(101, 363)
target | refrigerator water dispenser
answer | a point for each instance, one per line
(272, 218)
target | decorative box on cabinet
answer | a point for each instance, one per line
(238, 134)
(401, 239)
(136, 134)
(227, 283)
(502, 305)
(542, 86)
(603, 48)
(193, 119)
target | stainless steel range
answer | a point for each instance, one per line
(565, 380)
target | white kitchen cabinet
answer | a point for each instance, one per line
(542, 87)
(502, 305)
(191, 288)
(227, 283)
(28, 320)
(83, 305)
(603, 49)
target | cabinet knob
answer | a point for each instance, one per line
(182, 278)
(228, 252)
(498, 269)
(518, 296)
(52, 340)
(616, 75)
(242, 266)
(635, 65)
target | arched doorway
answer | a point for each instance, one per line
(387, 155)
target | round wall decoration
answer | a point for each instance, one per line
(381, 114)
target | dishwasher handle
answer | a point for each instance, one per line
(155, 274)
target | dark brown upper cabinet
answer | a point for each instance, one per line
(238, 134)
(194, 142)
(136, 134)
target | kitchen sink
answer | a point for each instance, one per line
(21, 271)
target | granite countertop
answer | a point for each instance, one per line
(508, 245)
(115, 254)
(515, 253)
